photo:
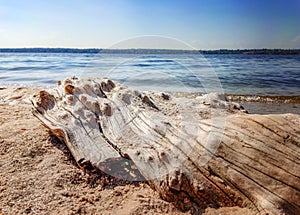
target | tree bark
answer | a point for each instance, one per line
(204, 150)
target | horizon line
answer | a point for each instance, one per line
(169, 49)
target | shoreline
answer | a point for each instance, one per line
(258, 104)
(254, 104)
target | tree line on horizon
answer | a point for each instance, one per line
(152, 51)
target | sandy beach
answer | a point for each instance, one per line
(150, 107)
(38, 175)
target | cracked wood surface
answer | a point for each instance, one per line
(204, 151)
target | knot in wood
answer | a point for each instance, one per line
(46, 100)
(107, 111)
(165, 96)
(107, 85)
(69, 89)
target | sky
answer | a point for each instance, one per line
(202, 24)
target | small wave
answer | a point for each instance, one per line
(264, 99)
(34, 61)
(25, 68)
(22, 68)
(142, 65)
(49, 81)
(159, 61)
(24, 79)
(4, 77)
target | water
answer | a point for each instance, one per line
(231, 74)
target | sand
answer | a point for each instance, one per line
(38, 175)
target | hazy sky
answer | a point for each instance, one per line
(204, 24)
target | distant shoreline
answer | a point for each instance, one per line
(152, 51)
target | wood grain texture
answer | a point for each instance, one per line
(204, 150)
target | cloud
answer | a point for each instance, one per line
(296, 40)
(2, 30)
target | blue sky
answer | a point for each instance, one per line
(204, 24)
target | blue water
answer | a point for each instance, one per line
(232, 74)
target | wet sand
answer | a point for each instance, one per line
(270, 108)
(267, 104)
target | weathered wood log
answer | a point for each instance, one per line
(201, 150)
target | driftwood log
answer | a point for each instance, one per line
(204, 150)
